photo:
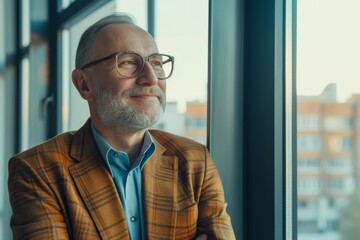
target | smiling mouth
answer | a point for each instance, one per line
(146, 96)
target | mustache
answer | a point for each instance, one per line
(154, 90)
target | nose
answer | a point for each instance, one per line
(148, 76)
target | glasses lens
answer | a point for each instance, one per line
(129, 64)
(162, 65)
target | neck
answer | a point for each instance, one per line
(129, 141)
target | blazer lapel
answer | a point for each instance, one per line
(96, 186)
(160, 193)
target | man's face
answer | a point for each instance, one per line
(128, 103)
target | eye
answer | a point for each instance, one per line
(128, 62)
(156, 62)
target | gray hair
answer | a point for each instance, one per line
(87, 38)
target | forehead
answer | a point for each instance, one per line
(124, 37)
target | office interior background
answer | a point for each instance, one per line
(271, 87)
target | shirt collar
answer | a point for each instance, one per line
(147, 149)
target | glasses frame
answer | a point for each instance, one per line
(144, 59)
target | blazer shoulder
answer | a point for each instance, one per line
(175, 144)
(53, 149)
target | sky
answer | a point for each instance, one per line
(182, 31)
(328, 46)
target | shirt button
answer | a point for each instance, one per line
(133, 219)
(115, 154)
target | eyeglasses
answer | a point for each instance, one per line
(129, 64)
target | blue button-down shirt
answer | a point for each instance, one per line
(128, 180)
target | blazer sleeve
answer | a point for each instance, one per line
(36, 212)
(213, 218)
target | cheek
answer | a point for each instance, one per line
(112, 83)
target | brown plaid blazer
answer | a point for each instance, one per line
(62, 189)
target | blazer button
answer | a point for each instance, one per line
(133, 219)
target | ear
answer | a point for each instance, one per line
(82, 84)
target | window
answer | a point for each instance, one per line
(196, 123)
(74, 109)
(136, 8)
(8, 107)
(308, 164)
(336, 123)
(308, 185)
(339, 165)
(307, 225)
(173, 120)
(339, 144)
(308, 122)
(344, 185)
(62, 4)
(186, 38)
(309, 143)
(335, 184)
(303, 204)
(333, 225)
(327, 84)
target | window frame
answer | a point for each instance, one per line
(256, 152)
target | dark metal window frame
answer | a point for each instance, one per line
(248, 96)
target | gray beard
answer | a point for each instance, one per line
(116, 112)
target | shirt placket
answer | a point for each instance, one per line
(132, 204)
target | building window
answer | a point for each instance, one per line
(344, 185)
(337, 123)
(307, 225)
(308, 164)
(335, 184)
(338, 164)
(309, 143)
(303, 204)
(196, 123)
(333, 225)
(339, 144)
(308, 122)
(308, 185)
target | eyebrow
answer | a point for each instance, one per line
(138, 52)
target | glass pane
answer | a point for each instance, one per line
(7, 136)
(328, 119)
(186, 38)
(25, 68)
(136, 8)
(74, 109)
(7, 108)
(62, 4)
(25, 24)
(34, 78)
